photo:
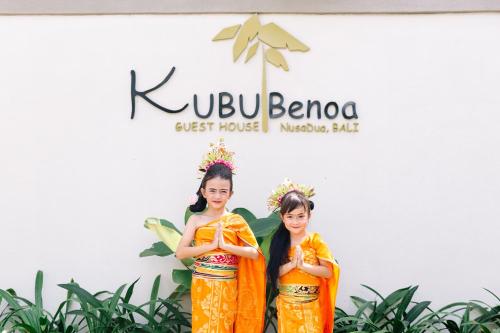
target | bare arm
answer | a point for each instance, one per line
(185, 249)
(285, 268)
(242, 251)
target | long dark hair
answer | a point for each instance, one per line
(216, 170)
(280, 243)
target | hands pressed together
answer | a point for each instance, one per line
(298, 258)
(218, 241)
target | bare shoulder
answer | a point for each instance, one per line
(193, 221)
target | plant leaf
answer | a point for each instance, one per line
(247, 33)
(274, 36)
(130, 291)
(157, 249)
(116, 297)
(82, 294)
(227, 33)
(416, 311)
(154, 296)
(266, 243)
(275, 57)
(38, 290)
(179, 292)
(168, 234)
(498, 298)
(245, 213)
(265, 226)
(182, 277)
(405, 302)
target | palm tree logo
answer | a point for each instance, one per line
(272, 38)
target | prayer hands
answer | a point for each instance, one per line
(218, 241)
(215, 241)
(298, 258)
(222, 243)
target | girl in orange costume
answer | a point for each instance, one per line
(228, 286)
(301, 266)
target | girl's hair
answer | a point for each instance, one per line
(216, 170)
(280, 243)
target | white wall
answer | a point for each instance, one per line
(410, 199)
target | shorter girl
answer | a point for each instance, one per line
(301, 265)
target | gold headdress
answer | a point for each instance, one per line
(218, 154)
(274, 201)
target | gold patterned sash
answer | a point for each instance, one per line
(218, 266)
(298, 293)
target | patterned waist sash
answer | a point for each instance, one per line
(298, 293)
(219, 266)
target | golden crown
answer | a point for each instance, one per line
(217, 154)
(274, 201)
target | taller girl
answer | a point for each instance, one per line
(228, 286)
(301, 265)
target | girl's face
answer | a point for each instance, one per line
(217, 191)
(296, 220)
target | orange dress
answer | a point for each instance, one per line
(306, 303)
(228, 291)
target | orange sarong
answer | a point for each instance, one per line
(227, 291)
(306, 303)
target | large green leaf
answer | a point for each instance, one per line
(168, 234)
(157, 249)
(245, 213)
(265, 226)
(266, 243)
(182, 277)
(165, 230)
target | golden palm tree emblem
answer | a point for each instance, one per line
(272, 38)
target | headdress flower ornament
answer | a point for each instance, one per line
(274, 201)
(218, 154)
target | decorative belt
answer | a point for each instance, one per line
(298, 293)
(219, 266)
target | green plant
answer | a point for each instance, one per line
(106, 312)
(21, 315)
(102, 312)
(473, 317)
(395, 313)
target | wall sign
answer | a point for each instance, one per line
(341, 117)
